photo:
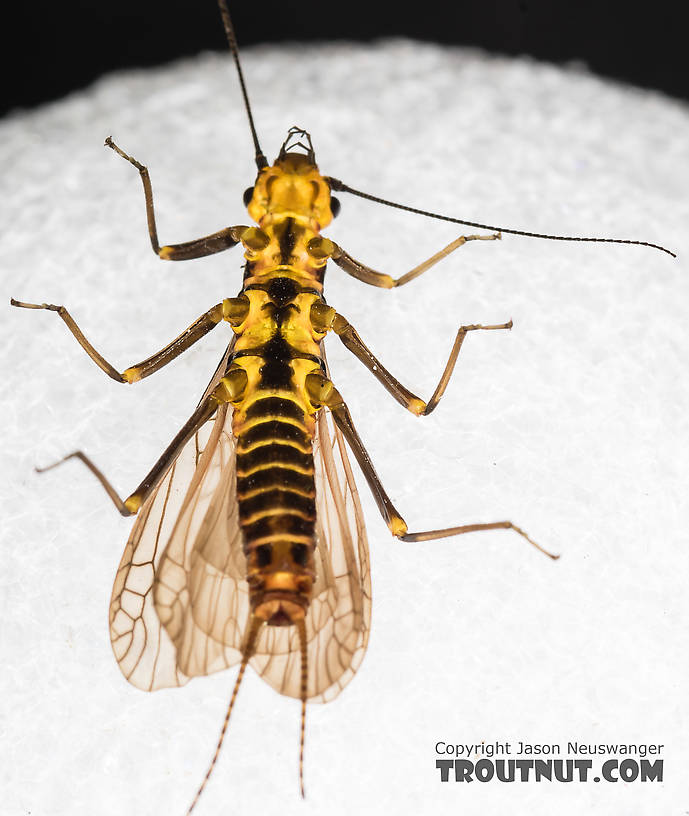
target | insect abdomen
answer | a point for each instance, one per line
(275, 484)
(276, 497)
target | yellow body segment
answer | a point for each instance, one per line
(279, 319)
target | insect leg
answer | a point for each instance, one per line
(350, 337)
(200, 327)
(225, 391)
(364, 273)
(198, 248)
(322, 392)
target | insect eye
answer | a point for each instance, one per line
(334, 206)
(248, 194)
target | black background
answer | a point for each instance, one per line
(52, 48)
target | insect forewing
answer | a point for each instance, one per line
(180, 603)
(143, 648)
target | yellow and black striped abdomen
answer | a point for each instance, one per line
(275, 482)
(277, 512)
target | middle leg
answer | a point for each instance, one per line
(231, 309)
(327, 318)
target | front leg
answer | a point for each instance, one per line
(324, 247)
(199, 247)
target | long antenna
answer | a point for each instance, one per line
(261, 160)
(340, 186)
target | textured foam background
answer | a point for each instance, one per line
(573, 425)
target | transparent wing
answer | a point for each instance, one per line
(338, 620)
(180, 603)
(143, 648)
(200, 592)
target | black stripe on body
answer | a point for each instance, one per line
(275, 407)
(273, 429)
(281, 526)
(275, 471)
(274, 276)
(282, 290)
(276, 371)
(296, 356)
(271, 502)
(275, 477)
(274, 454)
(287, 239)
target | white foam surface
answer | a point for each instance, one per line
(574, 425)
